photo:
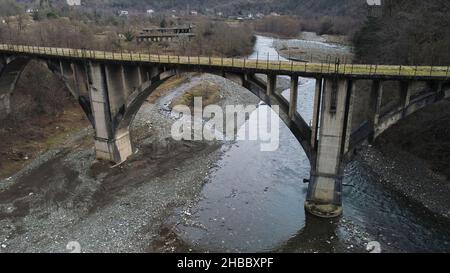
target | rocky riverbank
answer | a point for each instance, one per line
(311, 47)
(64, 195)
(413, 158)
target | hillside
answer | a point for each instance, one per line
(230, 7)
(299, 7)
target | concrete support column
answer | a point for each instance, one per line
(271, 84)
(351, 94)
(143, 77)
(80, 76)
(293, 97)
(115, 150)
(5, 105)
(376, 100)
(405, 95)
(66, 69)
(116, 90)
(131, 78)
(109, 145)
(316, 113)
(324, 192)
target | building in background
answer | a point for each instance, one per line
(73, 2)
(166, 34)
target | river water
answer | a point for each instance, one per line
(254, 201)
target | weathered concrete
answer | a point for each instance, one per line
(10, 74)
(316, 113)
(108, 93)
(324, 193)
(293, 97)
(5, 105)
(377, 96)
(271, 84)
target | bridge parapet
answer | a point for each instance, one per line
(363, 71)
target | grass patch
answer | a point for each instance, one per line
(210, 94)
(166, 86)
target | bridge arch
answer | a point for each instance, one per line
(123, 118)
(11, 71)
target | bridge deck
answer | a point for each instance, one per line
(258, 66)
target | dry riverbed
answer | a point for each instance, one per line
(65, 195)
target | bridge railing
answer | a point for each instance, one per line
(244, 63)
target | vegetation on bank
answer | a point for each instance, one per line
(209, 93)
(212, 39)
(408, 32)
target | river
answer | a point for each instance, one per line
(254, 201)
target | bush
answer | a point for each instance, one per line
(409, 32)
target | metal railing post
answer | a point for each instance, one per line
(257, 57)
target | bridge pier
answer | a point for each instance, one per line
(107, 100)
(324, 192)
(115, 150)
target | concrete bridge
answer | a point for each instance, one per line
(111, 87)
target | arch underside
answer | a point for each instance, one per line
(298, 126)
(390, 116)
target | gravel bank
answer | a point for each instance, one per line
(64, 195)
(412, 157)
